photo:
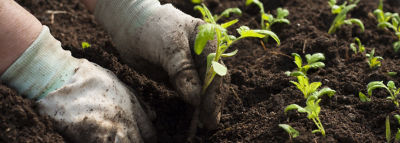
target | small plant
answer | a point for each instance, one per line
(85, 45)
(388, 131)
(312, 109)
(210, 31)
(353, 46)
(307, 89)
(224, 41)
(387, 20)
(313, 62)
(390, 87)
(293, 133)
(373, 61)
(341, 11)
(267, 20)
(363, 98)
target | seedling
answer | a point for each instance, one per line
(307, 89)
(85, 45)
(373, 61)
(224, 41)
(363, 98)
(267, 20)
(313, 62)
(226, 13)
(293, 133)
(390, 87)
(211, 30)
(357, 42)
(387, 20)
(388, 131)
(312, 109)
(341, 17)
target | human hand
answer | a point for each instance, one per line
(88, 102)
(164, 36)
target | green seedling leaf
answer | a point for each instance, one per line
(316, 131)
(269, 34)
(380, 6)
(210, 58)
(397, 137)
(397, 117)
(297, 60)
(196, 1)
(293, 133)
(396, 46)
(203, 13)
(220, 69)
(85, 45)
(340, 19)
(363, 98)
(391, 88)
(325, 91)
(295, 73)
(361, 48)
(373, 85)
(230, 23)
(373, 61)
(392, 73)
(295, 107)
(245, 32)
(391, 85)
(206, 33)
(248, 2)
(388, 131)
(357, 22)
(230, 54)
(314, 57)
(281, 13)
(227, 12)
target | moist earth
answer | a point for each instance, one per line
(259, 89)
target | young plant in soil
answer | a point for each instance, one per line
(341, 17)
(307, 89)
(373, 61)
(267, 20)
(388, 131)
(313, 62)
(211, 30)
(293, 133)
(387, 20)
(390, 87)
(357, 42)
(85, 45)
(313, 109)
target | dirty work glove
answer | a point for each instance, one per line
(162, 35)
(88, 102)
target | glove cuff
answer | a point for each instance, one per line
(42, 68)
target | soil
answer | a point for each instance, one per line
(259, 89)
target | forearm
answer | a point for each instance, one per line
(18, 29)
(90, 4)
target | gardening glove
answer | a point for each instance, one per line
(87, 101)
(162, 35)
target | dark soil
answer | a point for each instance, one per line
(259, 89)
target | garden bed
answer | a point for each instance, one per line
(259, 89)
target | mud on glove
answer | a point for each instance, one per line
(88, 102)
